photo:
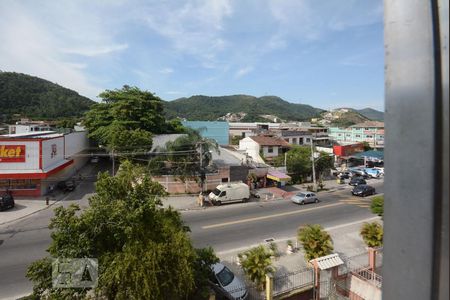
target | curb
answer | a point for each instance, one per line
(31, 213)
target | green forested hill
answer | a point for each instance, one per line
(211, 108)
(371, 113)
(33, 97)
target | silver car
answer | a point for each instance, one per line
(305, 197)
(230, 283)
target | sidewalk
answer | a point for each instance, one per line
(23, 208)
(184, 202)
(346, 240)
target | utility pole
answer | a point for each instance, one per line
(201, 168)
(313, 167)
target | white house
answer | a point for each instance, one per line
(268, 146)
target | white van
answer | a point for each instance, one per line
(230, 192)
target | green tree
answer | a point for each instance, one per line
(143, 249)
(323, 163)
(127, 118)
(372, 234)
(377, 205)
(315, 241)
(184, 155)
(256, 263)
(298, 163)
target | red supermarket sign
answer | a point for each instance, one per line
(12, 153)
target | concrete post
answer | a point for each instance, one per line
(372, 258)
(316, 280)
(269, 286)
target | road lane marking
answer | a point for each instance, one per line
(268, 217)
(294, 238)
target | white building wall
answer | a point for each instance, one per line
(268, 154)
(75, 142)
(252, 148)
(51, 157)
(31, 156)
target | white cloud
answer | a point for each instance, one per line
(166, 71)
(54, 40)
(193, 28)
(95, 50)
(243, 71)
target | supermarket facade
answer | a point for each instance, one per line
(31, 163)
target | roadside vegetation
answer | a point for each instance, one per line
(143, 249)
(377, 205)
(257, 263)
(372, 234)
(315, 241)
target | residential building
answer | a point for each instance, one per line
(216, 130)
(371, 132)
(264, 148)
(244, 129)
(28, 126)
(296, 137)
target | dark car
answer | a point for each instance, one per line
(66, 186)
(357, 181)
(345, 175)
(6, 201)
(363, 190)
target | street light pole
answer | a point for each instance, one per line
(313, 167)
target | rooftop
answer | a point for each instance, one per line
(270, 141)
(370, 124)
(33, 135)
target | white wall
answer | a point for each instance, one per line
(31, 156)
(75, 142)
(48, 160)
(251, 147)
(268, 154)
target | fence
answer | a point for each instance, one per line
(291, 281)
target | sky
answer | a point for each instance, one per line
(326, 53)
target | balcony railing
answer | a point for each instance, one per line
(370, 276)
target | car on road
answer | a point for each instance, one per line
(363, 190)
(357, 181)
(345, 175)
(305, 197)
(66, 186)
(224, 278)
(6, 201)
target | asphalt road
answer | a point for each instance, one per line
(225, 228)
(236, 226)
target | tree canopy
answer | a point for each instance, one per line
(143, 249)
(372, 234)
(315, 241)
(23, 95)
(127, 118)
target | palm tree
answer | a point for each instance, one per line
(315, 241)
(372, 234)
(256, 264)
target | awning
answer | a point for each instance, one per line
(278, 176)
(329, 261)
(371, 155)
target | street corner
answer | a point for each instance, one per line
(22, 209)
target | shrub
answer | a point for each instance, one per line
(256, 263)
(377, 205)
(372, 234)
(315, 241)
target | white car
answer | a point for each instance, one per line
(230, 283)
(305, 197)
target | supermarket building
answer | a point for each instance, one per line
(31, 162)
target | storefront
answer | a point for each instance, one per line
(30, 164)
(277, 178)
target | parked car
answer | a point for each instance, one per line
(363, 190)
(357, 181)
(303, 198)
(345, 175)
(224, 278)
(230, 192)
(94, 159)
(372, 172)
(360, 172)
(66, 186)
(6, 201)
